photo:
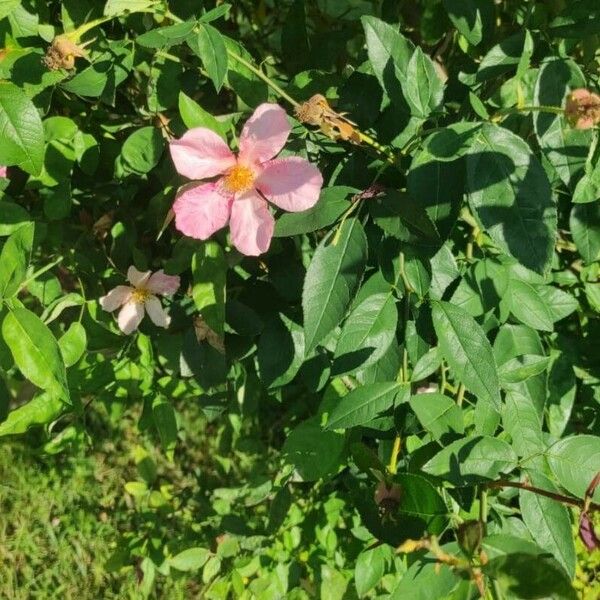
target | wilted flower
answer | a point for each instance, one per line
(140, 297)
(62, 53)
(246, 181)
(387, 498)
(583, 109)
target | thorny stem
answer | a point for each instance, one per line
(502, 483)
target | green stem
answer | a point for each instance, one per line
(262, 76)
(460, 396)
(517, 109)
(40, 272)
(393, 465)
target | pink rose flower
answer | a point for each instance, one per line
(245, 181)
(140, 297)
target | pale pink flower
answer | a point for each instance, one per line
(244, 181)
(140, 297)
(583, 109)
(3, 171)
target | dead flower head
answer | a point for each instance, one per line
(316, 111)
(583, 109)
(62, 53)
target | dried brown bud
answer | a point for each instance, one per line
(204, 332)
(62, 53)
(387, 498)
(583, 109)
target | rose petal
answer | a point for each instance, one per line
(137, 278)
(159, 283)
(201, 153)
(115, 298)
(251, 224)
(200, 210)
(130, 316)
(264, 134)
(3, 171)
(156, 312)
(292, 183)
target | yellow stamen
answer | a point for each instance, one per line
(238, 179)
(140, 295)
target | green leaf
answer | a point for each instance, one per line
(14, 260)
(389, 54)
(528, 306)
(42, 409)
(421, 505)
(523, 423)
(585, 228)
(564, 146)
(422, 87)
(511, 196)
(331, 280)
(548, 522)
(315, 453)
(575, 461)
(363, 404)
(438, 414)
(36, 351)
(426, 578)
(427, 364)
(193, 115)
(370, 568)
(367, 333)
(21, 130)
(142, 149)
(522, 368)
(331, 205)
(209, 271)
(165, 421)
(562, 388)
(12, 217)
(464, 346)
(472, 460)
(191, 559)
(72, 343)
(208, 44)
(247, 85)
(116, 8)
(164, 37)
(7, 6)
(523, 575)
(473, 18)
(280, 351)
(509, 53)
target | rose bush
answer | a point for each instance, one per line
(367, 238)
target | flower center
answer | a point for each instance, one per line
(238, 179)
(140, 295)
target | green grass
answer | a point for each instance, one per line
(60, 518)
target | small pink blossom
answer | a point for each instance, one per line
(245, 181)
(140, 297)
(3, 171)
(583, 109)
